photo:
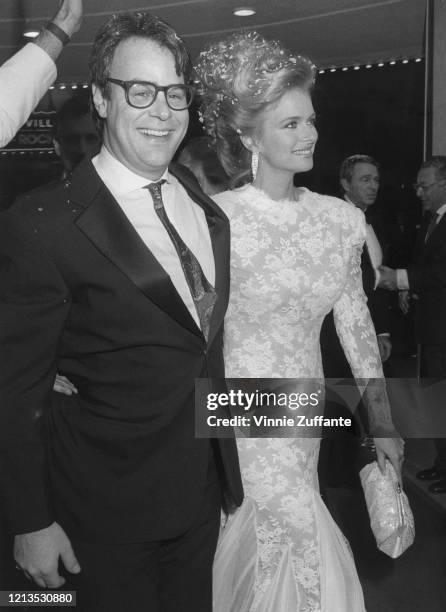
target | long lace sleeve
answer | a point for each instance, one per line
(356, 331)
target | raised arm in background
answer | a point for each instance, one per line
(27, 75)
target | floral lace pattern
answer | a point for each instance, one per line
(291, 263)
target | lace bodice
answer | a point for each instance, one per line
(291, 263)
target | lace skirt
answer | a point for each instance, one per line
(283, 552)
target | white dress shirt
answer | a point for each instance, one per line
(373, 247)
(24, 79)
(402, 279)
(187, 217)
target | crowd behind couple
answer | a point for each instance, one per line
(120, 279)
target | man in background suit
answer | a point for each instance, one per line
(75, 133)
(359, 179)
(425, 279)
(96, 283)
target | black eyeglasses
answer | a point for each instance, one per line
(142, 94)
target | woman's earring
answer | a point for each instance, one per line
(254, 164)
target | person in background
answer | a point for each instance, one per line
(27, 75)
(360, 178)
(424, 282)
(202, 161)
(75, 133)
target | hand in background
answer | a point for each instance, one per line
(404, 301)
(385, 347)
(37, 554)
(63, 385)
(69, 16)
(387, 278)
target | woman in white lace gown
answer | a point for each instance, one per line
(295, 255)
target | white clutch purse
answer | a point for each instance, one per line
(391, 518)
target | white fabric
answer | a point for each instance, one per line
(372, 245)
(291, 263)
(236, 592)
(375, 251)
(24, 79)
(402, 280)
(341, 588)
(440, 212)
(187, 217)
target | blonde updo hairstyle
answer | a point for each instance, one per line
(238, 77)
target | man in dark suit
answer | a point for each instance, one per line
(75, 133)
(96, 284)
(425, 279)
(359, 180)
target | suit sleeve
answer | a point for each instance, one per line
(34, 303)
(368, 274)
(429, 276)
(377, 299)
(378, 303)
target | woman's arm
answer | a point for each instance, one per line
(358, 339)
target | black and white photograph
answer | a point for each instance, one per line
(223, 305)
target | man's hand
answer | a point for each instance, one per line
(37, 554)
(387, 278)
(393, 450)
(385, 347)
(69, 16)
(404, 301)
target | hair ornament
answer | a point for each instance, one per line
(238, 77)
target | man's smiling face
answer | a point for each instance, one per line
(144, 140)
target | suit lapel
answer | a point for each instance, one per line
(104, 223)
(437, 235)
(218, 225)
(423, 246)
(420, 239)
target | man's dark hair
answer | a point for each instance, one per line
(349, 163)
(122, 26)
(438, 162)
(140, 24)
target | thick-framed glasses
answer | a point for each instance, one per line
(142, 94)
(424, 188)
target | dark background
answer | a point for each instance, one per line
(376, 111)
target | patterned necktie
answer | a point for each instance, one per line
(431, 226)
(202, 292)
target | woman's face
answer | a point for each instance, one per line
(285, 135)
